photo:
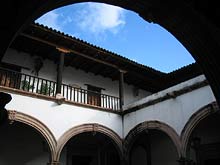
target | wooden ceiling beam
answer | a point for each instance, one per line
(86, 67)
(71, 50)
(145, 79)
(97, 69)
(78, 64)
(105, 72)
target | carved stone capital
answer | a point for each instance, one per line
(12, 116)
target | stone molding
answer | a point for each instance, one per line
(148, 125)
(123, 146)
(93, 127)
(15, 116)
(194, 120)
(169, 95)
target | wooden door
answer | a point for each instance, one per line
(94, 95)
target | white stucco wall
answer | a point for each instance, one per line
(174, 112)
(73, 76)
(60, 118)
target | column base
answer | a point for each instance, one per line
(123, 162)
(54, 163)
(185, 161)
(60, 98)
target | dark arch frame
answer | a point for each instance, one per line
(93, 127)
(37, 126)
(194, 120)
(148, 125)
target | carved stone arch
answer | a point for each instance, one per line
(37, 125)
(148, 125)
(88, 128)
(194, 120)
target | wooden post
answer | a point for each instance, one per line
(121, 88)
(60, 73)
(59, 97)
(62, 51)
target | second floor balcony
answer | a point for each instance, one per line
(45, 87)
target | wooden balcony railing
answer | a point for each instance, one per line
(42, 86)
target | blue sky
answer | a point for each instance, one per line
(122, 32)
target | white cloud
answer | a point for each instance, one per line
(98, 18)
(93, 18)
(50, 19)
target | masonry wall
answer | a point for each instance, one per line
(61, 118)
(174, 112)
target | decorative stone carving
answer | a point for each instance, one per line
(93, 127)
(12, 116)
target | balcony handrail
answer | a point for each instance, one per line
(34, 84)
(9, 70)
(88, 90)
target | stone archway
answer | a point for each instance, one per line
(15, 116)
(194, 121)
(88, 128)
(133, 135)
